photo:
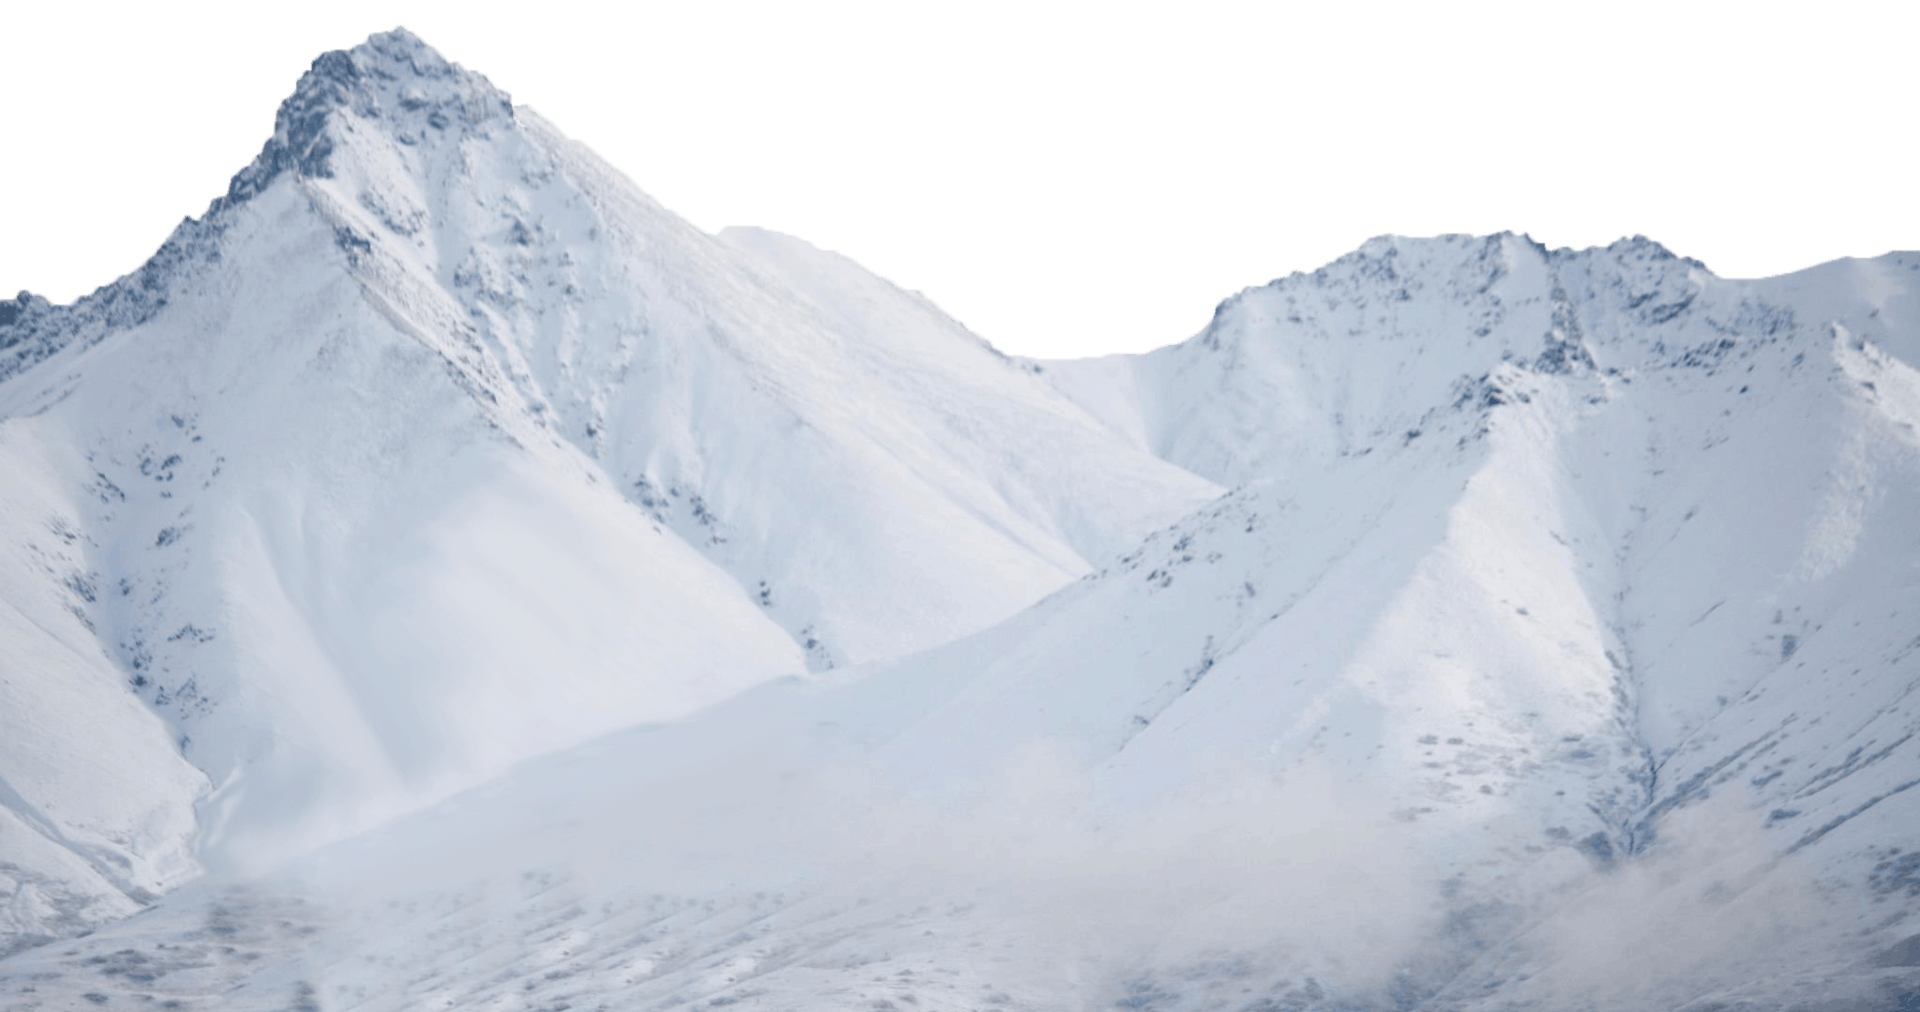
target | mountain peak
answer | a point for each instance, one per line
(394, 78)
(393, 81)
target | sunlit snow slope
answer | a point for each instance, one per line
(435, 445)
(1681, 511)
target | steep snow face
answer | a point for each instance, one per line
(283, 514)
(1608, 536)
(96, 804)
(878, 479)
(436, 445)
(1739, 454)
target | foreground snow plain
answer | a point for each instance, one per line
(529, 602)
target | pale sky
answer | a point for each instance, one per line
(1066, 179)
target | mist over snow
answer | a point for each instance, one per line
(443, 578)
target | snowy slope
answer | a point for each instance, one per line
(1555, 647)
(435, 445)
(1495, 716)
(1717, 470)
(1660, 533)
(283, 528)
(879, 843)
(829, 472)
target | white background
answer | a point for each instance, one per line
(1067, 179)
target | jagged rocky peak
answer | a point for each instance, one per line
(1638, 250)
(392, 78)
(1497, 273)
(11, 310)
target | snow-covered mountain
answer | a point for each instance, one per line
(1555, 646)
(435, 445)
